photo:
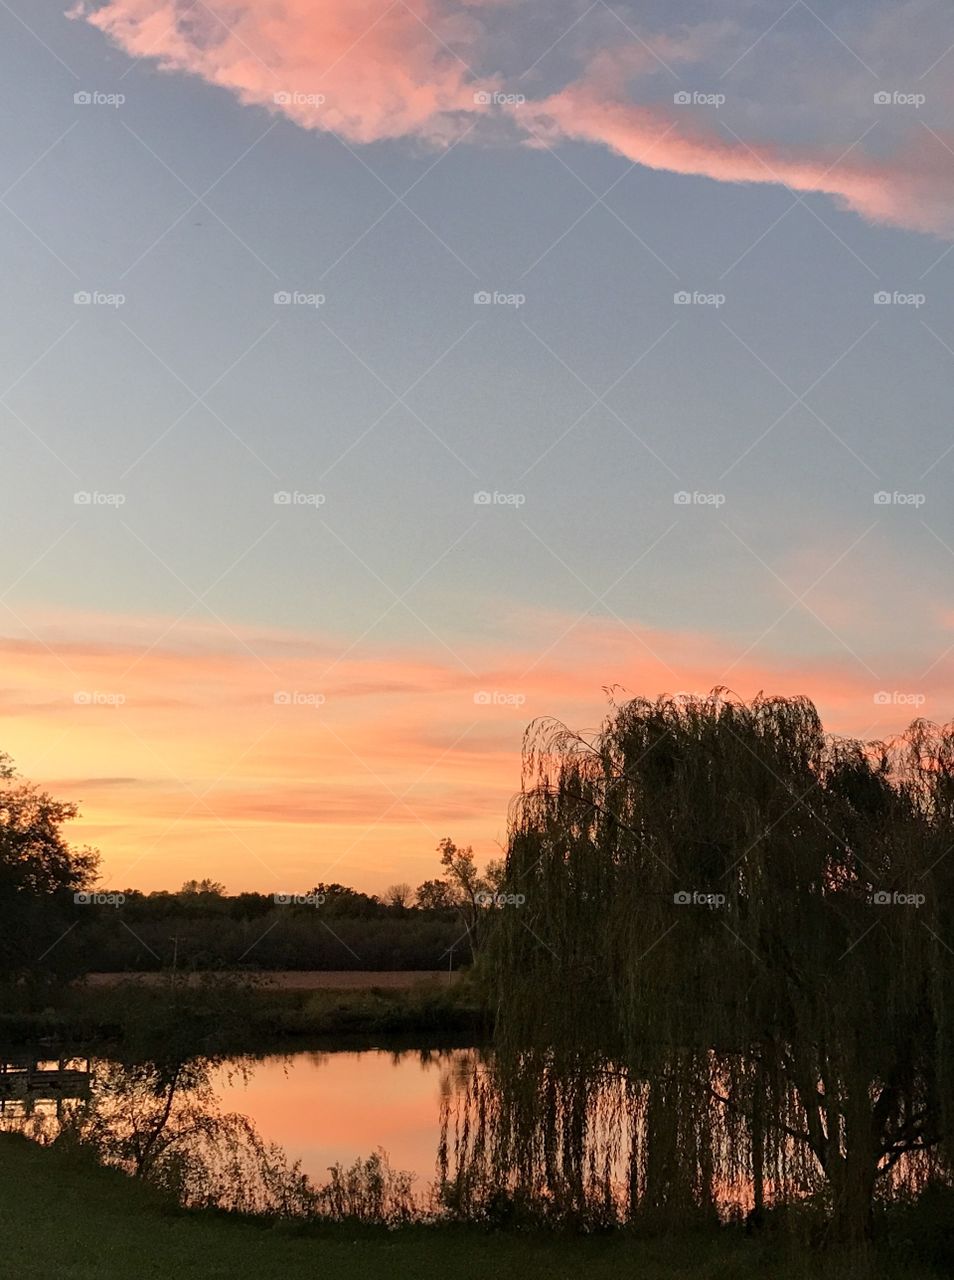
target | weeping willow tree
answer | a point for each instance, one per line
(741, 927)
(161, 1121)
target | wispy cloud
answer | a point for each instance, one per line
(372, 69)
(190, 752)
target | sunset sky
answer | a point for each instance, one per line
(247, 247)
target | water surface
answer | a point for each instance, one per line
(329, 1108)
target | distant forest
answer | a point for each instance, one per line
(331, 926)
(57, 921)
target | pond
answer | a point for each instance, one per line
(333, 1108)
(320, 1109)
(459, 1131)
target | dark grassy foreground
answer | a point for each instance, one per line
(61, 1216)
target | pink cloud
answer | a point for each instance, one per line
(367, 70)
(911, 188)
(383, 71)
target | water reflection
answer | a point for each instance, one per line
(306, 1134)
(347, 1134)
(331, 1108)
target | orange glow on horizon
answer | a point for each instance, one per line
(270, 762)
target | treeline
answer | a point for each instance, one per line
(58, 921)
(329, 927)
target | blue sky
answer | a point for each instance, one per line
(782, 397)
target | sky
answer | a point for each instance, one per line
(378, 377)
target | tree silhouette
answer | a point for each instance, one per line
(750, 921)
(469, 890)
(39, 874)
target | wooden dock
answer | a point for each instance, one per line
(31, 1083)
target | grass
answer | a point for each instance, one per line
(296, 979)
(230, 1015)
(64, 1218)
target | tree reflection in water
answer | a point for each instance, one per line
(527, 1138)
(162, 1121)
(536, 1137)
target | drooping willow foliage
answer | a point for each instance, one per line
(731, 971)
(162, 1122)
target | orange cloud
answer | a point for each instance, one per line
(272, 760)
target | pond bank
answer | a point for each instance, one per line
(225, 1013)
(72, 1220)
(294, 979)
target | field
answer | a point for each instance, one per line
(63, 1218)
(295, 980)
(238, 1013)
